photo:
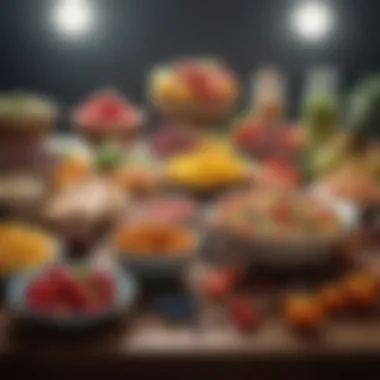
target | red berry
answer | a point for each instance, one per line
(76, 297)
(103, 287)
(40, 295)
(244, 314)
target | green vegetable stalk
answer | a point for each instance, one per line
(108, 157)
(321, 118)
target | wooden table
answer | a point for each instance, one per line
(145, 344)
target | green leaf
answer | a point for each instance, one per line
(108, 158)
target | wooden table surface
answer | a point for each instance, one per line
(145, 342)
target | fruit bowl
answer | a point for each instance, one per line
(199, 92)
(68, 313)
(107, 115)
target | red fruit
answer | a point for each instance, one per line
(40, 296)
(76, 296)
(103, 287)
(244, 314)
(198, 79)
(187, 70)
(248, 134)
(108, 107)
(67, 288)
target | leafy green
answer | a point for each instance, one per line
(108, 157)
(321, 115)
(364, 108)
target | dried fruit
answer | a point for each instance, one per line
(332, 298)
(360, 290)
(303, 312)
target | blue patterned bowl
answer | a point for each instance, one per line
(126, 291)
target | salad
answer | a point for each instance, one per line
(278, 215)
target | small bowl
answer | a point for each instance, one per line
(156, 268)
(126, 291)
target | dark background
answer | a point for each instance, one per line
(133, 35)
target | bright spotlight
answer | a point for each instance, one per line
(312, 20)
(73, 18)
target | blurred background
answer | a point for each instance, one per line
(66, 48)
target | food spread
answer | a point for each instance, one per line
(136, 210)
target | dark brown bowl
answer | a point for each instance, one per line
(98, 136)
(31, 128)
(205, 195)
(222, 246)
